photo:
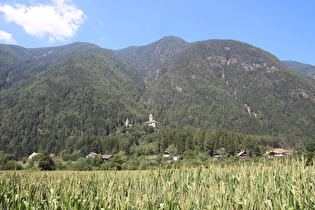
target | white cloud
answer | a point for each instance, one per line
(59, 21)
(7, 38)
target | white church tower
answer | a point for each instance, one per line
(127, 123)
(151, 122)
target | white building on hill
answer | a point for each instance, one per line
(151, 122)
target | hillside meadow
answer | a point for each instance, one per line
(266, 184)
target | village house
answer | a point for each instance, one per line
(242, 155)
(104, 157)
(33, 155)
(91, 155)
(217, 156)
(166, 154)
(280, 153)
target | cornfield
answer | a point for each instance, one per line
(256, 185)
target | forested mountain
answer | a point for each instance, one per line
(76, 98)
(148, 60)
(305, 69)
(18, 63)
(235, 86)
(63, 94)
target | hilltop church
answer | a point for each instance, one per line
(151, 122)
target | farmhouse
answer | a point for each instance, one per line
(218, 156)
(91, 155)
(242, 155)
(104, 157)
(166, 154)
(280, 153)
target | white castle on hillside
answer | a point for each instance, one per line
(151, 122)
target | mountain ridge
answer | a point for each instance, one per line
(152, 58)
(306, 69)
(54, 98)
(212, 70)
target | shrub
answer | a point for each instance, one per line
(13, 165)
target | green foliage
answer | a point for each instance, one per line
(310, 147)
(80, 164)
(30, 163)
(13, 165)
(208, 95)
(88, 93)
(310, 158)
(188, 142)
(251, 147)
(150, 59)
(3, 160)
(46, 163)
(305, 69)
(117, 161)
(6, 163)
(231, 85)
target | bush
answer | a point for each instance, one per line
(46, 163)
(202, 156)
(81, 164)
(13, 165)
(58, 164)
(310, 147)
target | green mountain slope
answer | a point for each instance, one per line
(9, 61)
(86, 94)
(54, 98)
(305, 69)
(148, 60)
(19, 63)
(235, 86)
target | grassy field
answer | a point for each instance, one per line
(255, 185)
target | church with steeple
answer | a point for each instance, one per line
(151, 122)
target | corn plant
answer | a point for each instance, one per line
(256, 185)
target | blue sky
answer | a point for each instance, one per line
(283, 28)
